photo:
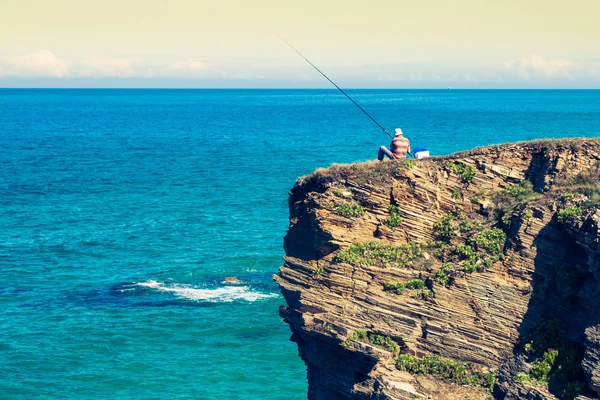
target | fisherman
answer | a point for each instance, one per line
(399, 147)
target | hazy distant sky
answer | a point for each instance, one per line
(232, 43)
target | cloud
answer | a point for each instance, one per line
(105, 67)
(187, 69)
(192, 65)
(45, 64)
(42, 63)
(536, 66)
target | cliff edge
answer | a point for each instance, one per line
(471, 276)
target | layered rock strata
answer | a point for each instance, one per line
(548, 269)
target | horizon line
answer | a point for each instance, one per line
(283, 88)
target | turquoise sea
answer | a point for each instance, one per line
(122, 210)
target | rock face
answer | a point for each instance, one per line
(489, 315)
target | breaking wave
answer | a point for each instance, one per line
(225, 294)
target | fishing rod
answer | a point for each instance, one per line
(340, 89)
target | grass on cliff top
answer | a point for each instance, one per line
(370, 172)
(376, 172)
(573, 144)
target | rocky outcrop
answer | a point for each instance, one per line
(460, 300)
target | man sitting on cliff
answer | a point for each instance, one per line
(399, 147)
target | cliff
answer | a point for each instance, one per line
(471, 276)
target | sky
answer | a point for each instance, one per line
(358, 43)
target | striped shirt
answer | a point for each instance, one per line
(400, 146)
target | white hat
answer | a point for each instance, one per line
(398, 132)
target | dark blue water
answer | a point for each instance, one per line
(122, 210)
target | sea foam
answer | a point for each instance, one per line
(224, 294)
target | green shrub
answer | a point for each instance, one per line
(319, 271)
(466, 172)
(384, 341)
(359, 334)
(491, 240)
(456, 194)
(482, 247)
(423, 294)
(514, 198)
(415, 284)
(465, 251)
(446, 370)
(394, 219)
(398, 288)
(521, 191)
(377, 340)
(438, 247)
(471, 265)
(466, 226)
(569, 214)
(408, 164)
(394, 287)
(382, 255)
(555, 360)
(540, 369)
(568, 196)
(445, 275)
(446, 227)
(348, 210)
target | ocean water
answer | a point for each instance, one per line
(122, 210)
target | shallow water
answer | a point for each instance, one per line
(122, 210)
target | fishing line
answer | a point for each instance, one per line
(340, 89)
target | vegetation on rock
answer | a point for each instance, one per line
(445, 275)
(379, 254)
(515, 199)
(351, 210)
(555, 360)
(381, 341)
(464, 171)
(394, 219)
(446, 370)
(423, 294)
(398, 287)
(544, 271)
(569, 214)
(583, 187)
(477, 248)
(446, 227)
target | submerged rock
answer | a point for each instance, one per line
(231, 280)
(454, 280)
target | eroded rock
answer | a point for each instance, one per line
(485, 318)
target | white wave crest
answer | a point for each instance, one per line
(226, 294)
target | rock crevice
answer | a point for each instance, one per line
(539, 197)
